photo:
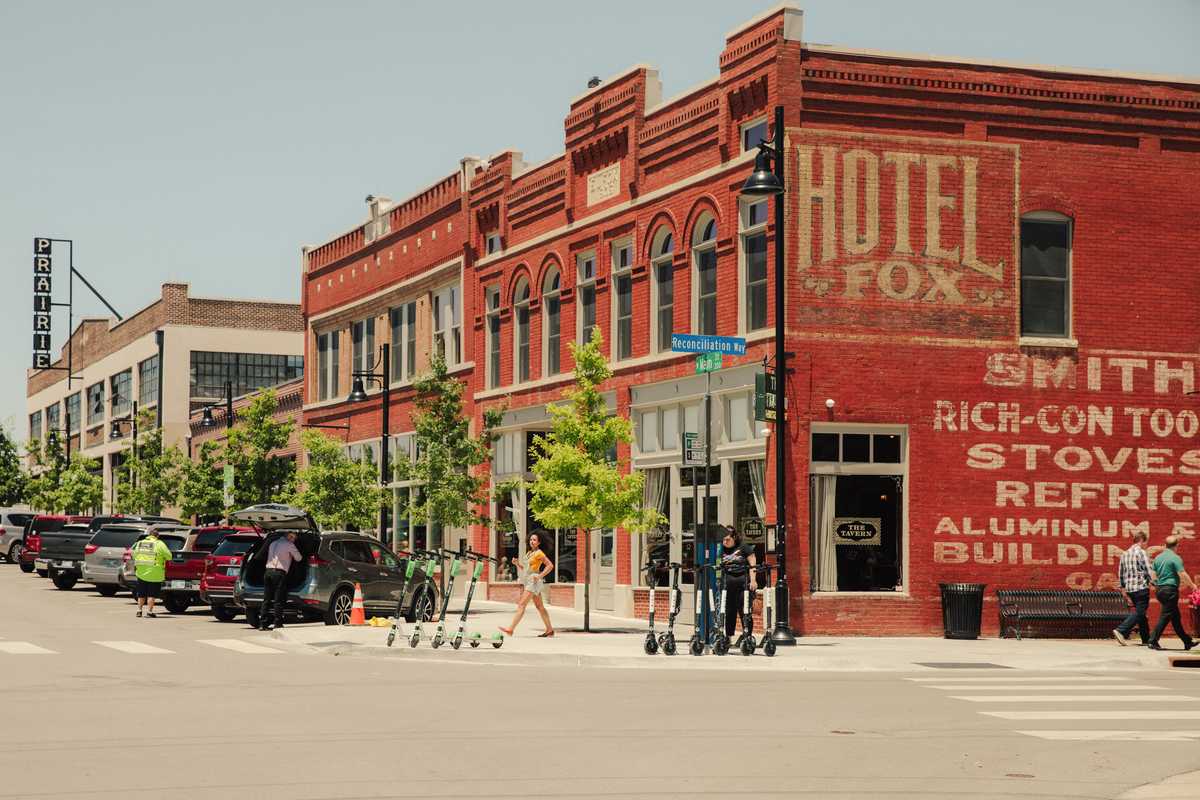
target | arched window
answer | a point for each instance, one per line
(551, 322)
(1046, 274)
(704, 293)
(521, 337)
(662, 287)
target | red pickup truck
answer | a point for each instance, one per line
(221, 569)
(185, 570)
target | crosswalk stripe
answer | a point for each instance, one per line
(23, 649)
(135, 648)
(1133, 713)
(1020, 679)
(1074, 698)
(1039, 687)
(240, 646)
(1115, 736)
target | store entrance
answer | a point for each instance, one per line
(857, 532)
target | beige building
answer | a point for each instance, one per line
(173, 356)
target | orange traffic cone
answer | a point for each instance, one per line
(358, 615)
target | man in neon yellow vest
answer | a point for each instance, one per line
(150, 557)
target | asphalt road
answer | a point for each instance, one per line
(97, 704)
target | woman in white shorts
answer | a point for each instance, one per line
(534, 567)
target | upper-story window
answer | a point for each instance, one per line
(120, 388)
(662, 302)
(73, 420)
(753, 221)
(403, 321)
(35, 425)
(95, 404)
(552, 322)
(54, 418)
(1045, 274)
(753, 133)
(248, 372)
(521, 334)
(622, 277)
(704, 255)
(493, 336)
(586, 265)
(327, 365)
(492, 243)
(362, 343)
(447, 324)
(148, 381)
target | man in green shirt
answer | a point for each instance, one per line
(1168, 568)
(150, 557)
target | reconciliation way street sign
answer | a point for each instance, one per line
(699, 343)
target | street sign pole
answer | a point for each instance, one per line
(708, 612)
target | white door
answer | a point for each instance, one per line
(604, 572)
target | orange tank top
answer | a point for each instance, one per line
(536, 559)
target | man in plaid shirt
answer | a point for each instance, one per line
(1137, 575)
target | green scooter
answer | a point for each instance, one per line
(397, 621)
(430, 564)
(439, 633)
(497, 639)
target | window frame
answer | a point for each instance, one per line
(74, 423)
(327, 364)
(748, 229)
(552, 297)
(662, 260)
(453, 293)
(584, 282)
(402, 333)
(125, 379)
(145, 375)
(621, 272)
(749, 125)
(94, 418)
(362, 344)
(492, 332)
(522, 362)
(492, 238)
(1068, 336)
(701, 247)
(35, 425)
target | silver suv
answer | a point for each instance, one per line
(12, 532)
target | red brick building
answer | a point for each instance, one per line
(989, 304)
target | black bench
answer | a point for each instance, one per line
(1059, 614)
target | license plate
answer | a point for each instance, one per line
(176, 584)
(233, 572)
(41, 564)
(65, 564)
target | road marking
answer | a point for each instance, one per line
(1139, 714)
(240, 646)
(1030, 687)
(136, 648)
(1014, 679)
(1115, 736)
(24, 649)
(1074, 698)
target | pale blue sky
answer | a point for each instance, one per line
(206, 142)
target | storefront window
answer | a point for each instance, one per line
(750, 504)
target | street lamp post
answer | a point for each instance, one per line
(768, 182)
(207, 420)
(115, 433)
(358, 394)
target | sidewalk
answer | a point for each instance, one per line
(617, 643)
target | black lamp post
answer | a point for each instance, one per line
(767, 181)
(358, 394)
(130, 419)
(207, 420)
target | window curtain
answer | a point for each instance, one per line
(822, 497)
(758, 482)
(655, 490)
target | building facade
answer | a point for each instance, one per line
(988, 294)
(176, 354)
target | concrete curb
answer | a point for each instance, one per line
(1185, 786)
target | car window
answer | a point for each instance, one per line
(48, 525)
(20, 520)
(234, 545)
(207, 540)
(358, 552)
(387, 559)
(116, 537)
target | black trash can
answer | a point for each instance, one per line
(962, 609)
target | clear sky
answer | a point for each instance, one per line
(206, 142)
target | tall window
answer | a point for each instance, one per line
(120, 387)
(362, 342)
(447, 324)
(753, 133)
(493, 333)
(552, 322)
(73, 419)
(662, 322)
(403, 320)
(327, 365)
(54, 418)
(1045, 274)
(521, 333)
(754, 265)
(622, 263)
(148, 381)
(95, 404)
(35, 425)
(248, 372)
(586, 264)
(704, 252)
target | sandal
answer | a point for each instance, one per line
(506, 631)
(546, 635)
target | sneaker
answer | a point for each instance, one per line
(1120, 637)
(151, 615)
(1154, 646)
(139, 613)
(1190, 644)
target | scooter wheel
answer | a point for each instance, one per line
(696, 647)
(748, 646)
(768, 647)
(721, 646)
(668, 646)
(498, 645)
(391, 637)
(474, 643)
(436, 642)
(414, 640)
(456, 643)
(651, 646)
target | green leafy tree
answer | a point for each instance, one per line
(578, 484)
(49, 463)
(202, 493)
(151, 474)
(259, 475)
(337, 491)
(81, 486)
(14, 482)
(448, 457)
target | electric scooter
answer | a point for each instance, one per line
(768, 593)
(397, 623)
(667, 640)
(439, 633)
(431, 562)
(715, 635)
(651, 570)
(497, 638)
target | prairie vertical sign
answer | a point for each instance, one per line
(42, 280)
(899, 232)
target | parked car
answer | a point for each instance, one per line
(221, 569)
(174, 538)
(321, 586)
(104, 555)
(12, 532)
(181, 588)
(62, 552)
(31, 545)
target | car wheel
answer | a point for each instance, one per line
(64, 580)
(422, 606)
(107, 590)
(340, 606)
(224, 613)
(43, 573)
(26, 568)
(176, 605)
(253, 615)
(14, 553)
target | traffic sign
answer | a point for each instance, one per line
(693, 450)
(764, 397)
(708, 362)
(698, 343)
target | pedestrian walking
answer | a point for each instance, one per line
(280, 555)
(1169, 572)
(150, 556)
(737, 563)
(535, 566)
(1135, 579)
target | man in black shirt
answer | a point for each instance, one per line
(738, 563)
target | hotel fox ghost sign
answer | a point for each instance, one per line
(42, 278)
(906, 233)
